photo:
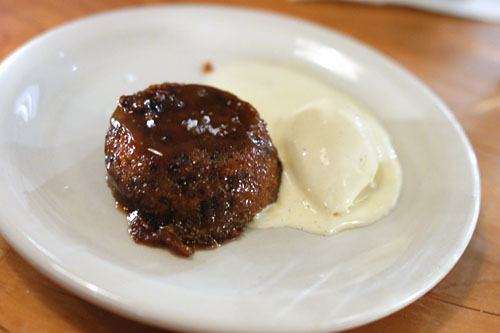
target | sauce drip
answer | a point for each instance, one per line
(207, 67)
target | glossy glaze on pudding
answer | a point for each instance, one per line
(191, 165)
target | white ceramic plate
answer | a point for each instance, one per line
(58, 93)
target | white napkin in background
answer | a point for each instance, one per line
(483, 10)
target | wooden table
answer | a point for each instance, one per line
(458, 59)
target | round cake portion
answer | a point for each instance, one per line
(191, 165)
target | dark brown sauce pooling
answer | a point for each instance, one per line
(168, 119)
(144, 232)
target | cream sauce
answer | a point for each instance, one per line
(339, 167)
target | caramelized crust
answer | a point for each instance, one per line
(191, 164)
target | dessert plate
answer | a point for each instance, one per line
(58, 92)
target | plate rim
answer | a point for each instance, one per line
(43, 261)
